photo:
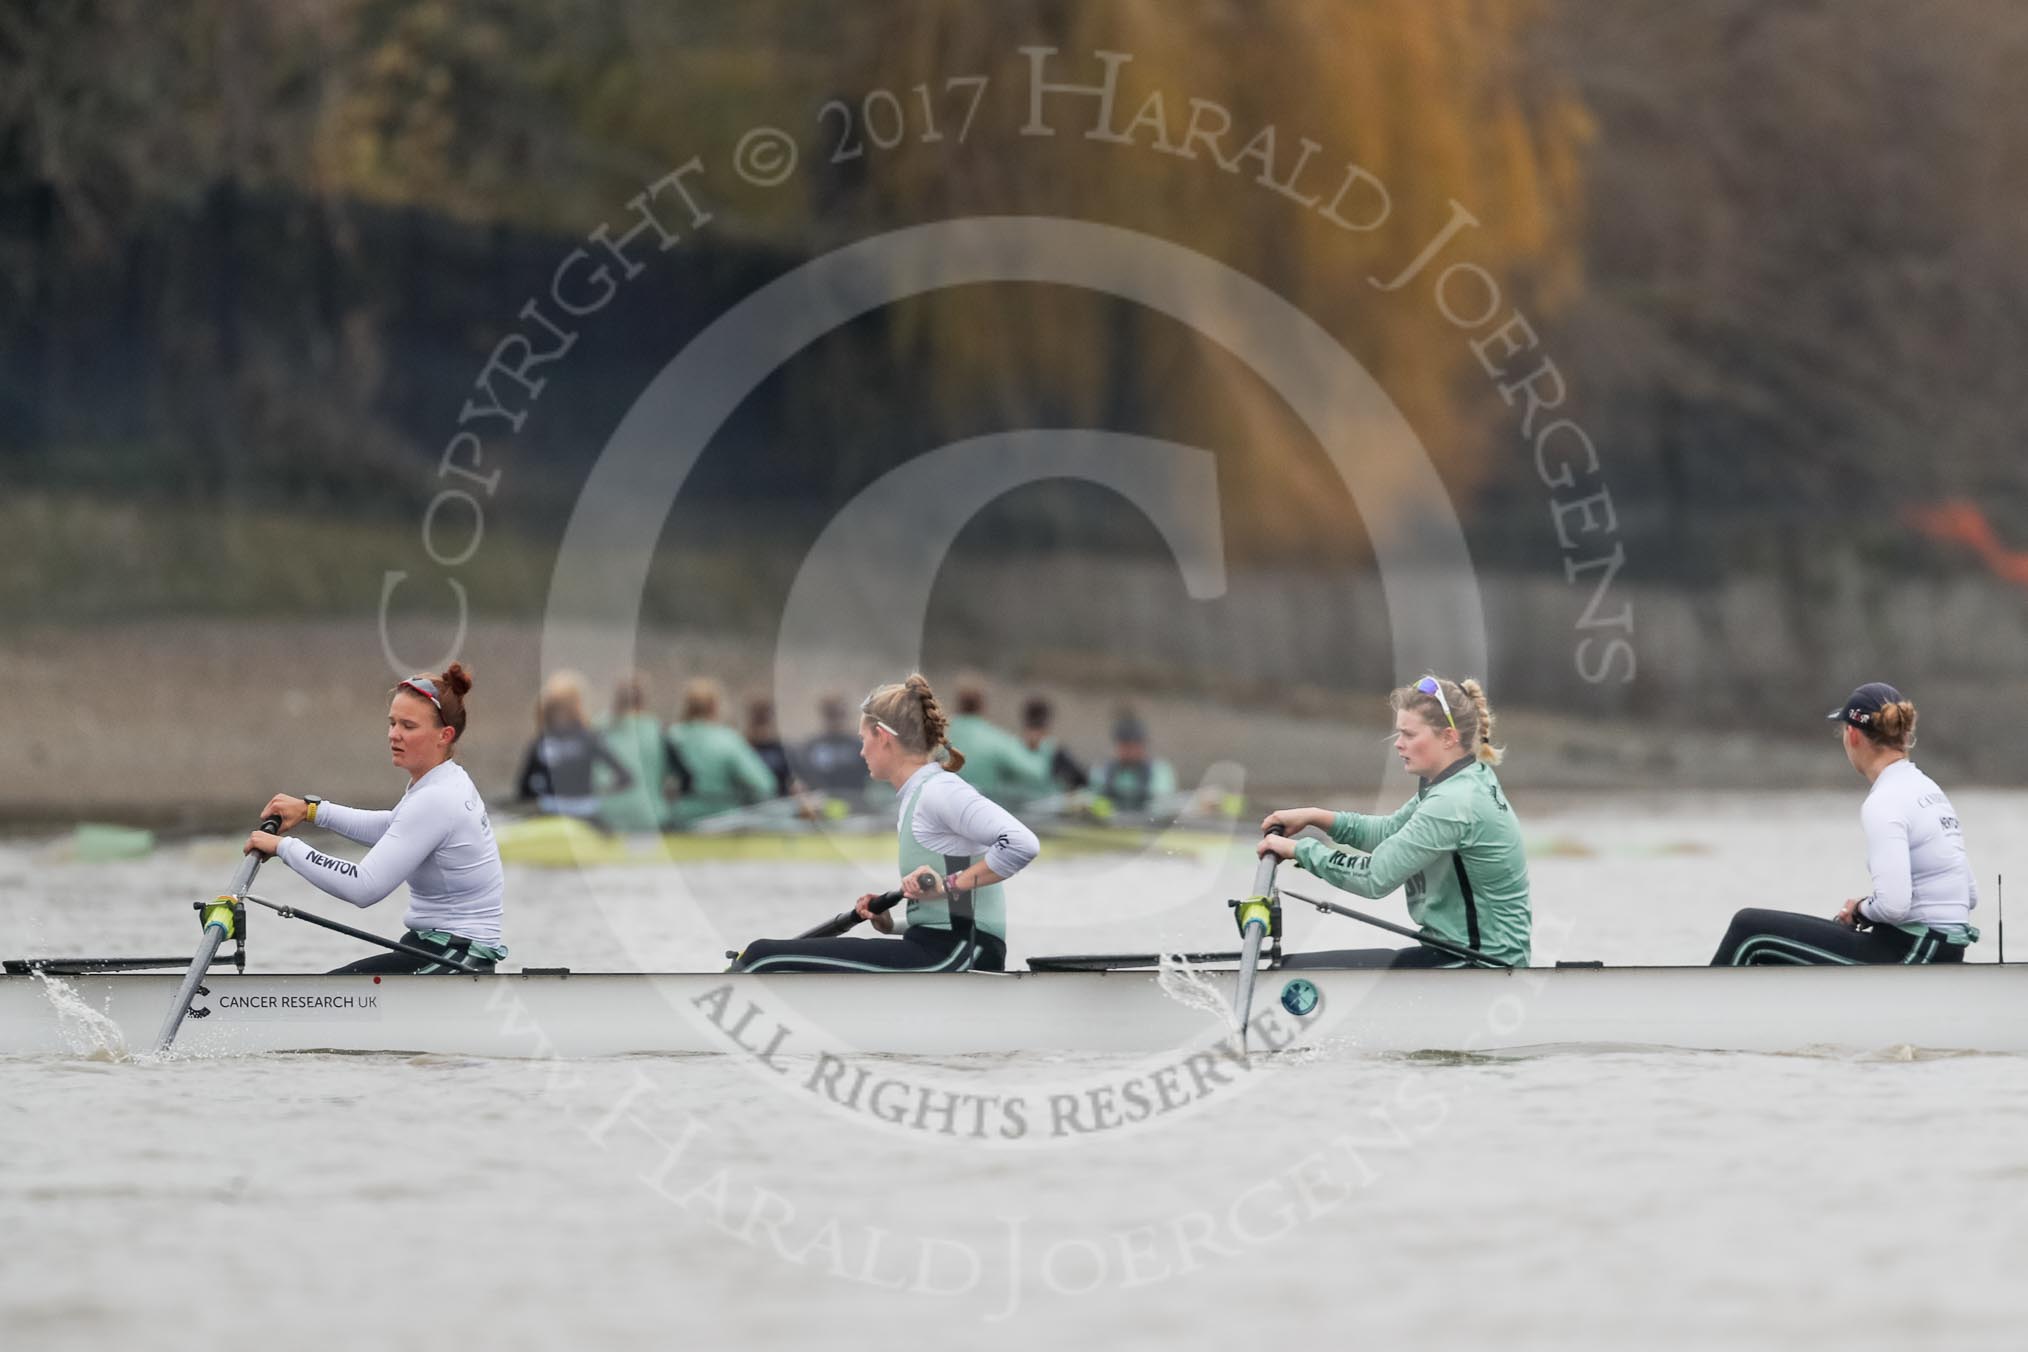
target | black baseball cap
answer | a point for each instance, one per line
(1863, 704)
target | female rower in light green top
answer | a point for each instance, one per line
(636, 740)
(718, 770)
(1455, 846)
(996, 761)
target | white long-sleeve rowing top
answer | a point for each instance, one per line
(1915, 850)
(436, 839)
(952, 817)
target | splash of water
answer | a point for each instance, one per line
(1190, 984)
(1187, 983)
(89, 1033)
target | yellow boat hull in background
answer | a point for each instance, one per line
(564, 842)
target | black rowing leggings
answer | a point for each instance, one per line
(1759, 938)
(401, 964)
(1419, 956)
(919, 949)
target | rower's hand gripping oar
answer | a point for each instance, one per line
(850, 919)
(845, 921)
(1255, 916)
(838, 924)
(222, 919)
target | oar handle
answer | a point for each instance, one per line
(848, 920)
(251, 865)
(1264, 870)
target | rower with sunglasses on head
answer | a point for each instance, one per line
(1920, 909)
(1455, 846)
(957, 847)
(437, 839)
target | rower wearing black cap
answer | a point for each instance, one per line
(1133, 780)
(1923, 891)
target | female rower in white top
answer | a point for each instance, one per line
(956, 848)
(437, 839)
(1923, 891)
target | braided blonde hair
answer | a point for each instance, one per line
(910, 710)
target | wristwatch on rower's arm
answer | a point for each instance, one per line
(310, 805)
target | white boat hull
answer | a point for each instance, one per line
(1976, 1007)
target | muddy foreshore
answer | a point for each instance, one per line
(190, 724)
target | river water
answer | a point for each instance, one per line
(1556, 1199)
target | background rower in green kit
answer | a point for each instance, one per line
(718, 771)
(1455, 846)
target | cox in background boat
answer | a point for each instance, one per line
(1133, 779)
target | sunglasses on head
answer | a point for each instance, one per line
(1430, 685)
(425, 687)
(867, 714)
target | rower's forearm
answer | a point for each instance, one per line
(1341, 868)
(357, 884)
(364, 826)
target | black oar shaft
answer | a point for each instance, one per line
(847, 920)
(448, 958)
(88, 966)
(1427, 940)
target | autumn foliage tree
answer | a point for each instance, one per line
(1436, 102)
